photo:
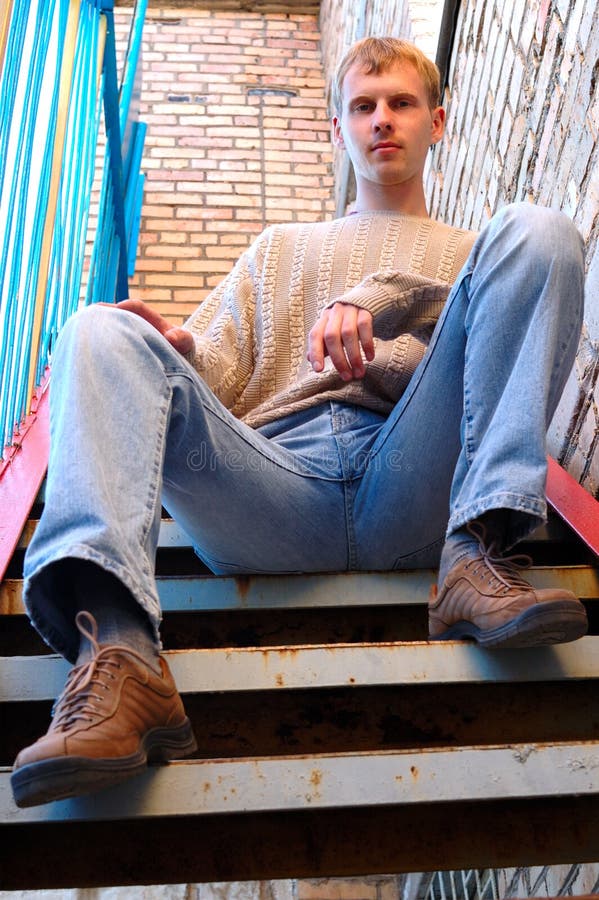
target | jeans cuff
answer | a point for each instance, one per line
(55, 625)
(529, 513)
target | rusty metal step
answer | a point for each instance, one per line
(331, 781)
(333, 815)
(318, 590)
(24, 679)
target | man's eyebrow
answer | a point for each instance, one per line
(396, 95)
(404, 95)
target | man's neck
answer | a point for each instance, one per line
(383, 198)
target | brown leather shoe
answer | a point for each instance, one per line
(485, 598)
(114, 716)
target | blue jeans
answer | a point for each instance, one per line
(332, 488)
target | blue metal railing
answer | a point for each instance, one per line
(122, 185)
(58, 77)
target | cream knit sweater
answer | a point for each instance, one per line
(251, 332)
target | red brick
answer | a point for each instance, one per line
(337, 889)
(198, 266)
(154, 265)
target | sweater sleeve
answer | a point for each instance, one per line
(223, 328)
(399, 302)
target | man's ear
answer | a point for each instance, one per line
(337, 133)
(438, 124)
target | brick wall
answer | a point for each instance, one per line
(523, 121)
(238, 137)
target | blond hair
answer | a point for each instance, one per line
(378, 54)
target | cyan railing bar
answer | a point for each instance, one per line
(114, 249)
(43, 228)
(19, 250)
(114, 158)
(79, 161)
(133, 130)
(134, 196)
(131, 68)
(15, 40)
(56, 184)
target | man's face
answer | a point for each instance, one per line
(386, 124)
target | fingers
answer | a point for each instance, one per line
(180, 339)
(177, 337)
(342, 341)
(365, 333)
(342, 332)
(145, 312)
(316, 348)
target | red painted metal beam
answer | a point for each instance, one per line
(22, 473)
(574, 504)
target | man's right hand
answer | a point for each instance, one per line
(343, 332)
(179, 338)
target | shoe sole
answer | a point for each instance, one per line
(70, 776)
(557, 622)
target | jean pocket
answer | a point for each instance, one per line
(219, 567)
(427, 557)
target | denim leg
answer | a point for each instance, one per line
(129, 417)
(249, 503)
(469, 434)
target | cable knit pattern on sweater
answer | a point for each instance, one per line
(251, 332)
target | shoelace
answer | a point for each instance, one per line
(503, 569)
(88, 684)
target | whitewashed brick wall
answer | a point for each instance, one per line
(523, 123)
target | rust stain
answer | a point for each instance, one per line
(287, 651)
(242, 583)
(414, 771)
(207, 787)
(279, 681)
(315, 782)
(281, 652)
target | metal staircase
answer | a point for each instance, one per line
(334, 739)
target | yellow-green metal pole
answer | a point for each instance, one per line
(101, 45)
(5, 14)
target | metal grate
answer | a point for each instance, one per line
(470, 884)
(500, 884)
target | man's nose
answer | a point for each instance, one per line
(382, 117)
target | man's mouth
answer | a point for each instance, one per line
(386, 145)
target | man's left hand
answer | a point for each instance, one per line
(343, 332)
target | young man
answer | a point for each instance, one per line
(302, 384)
